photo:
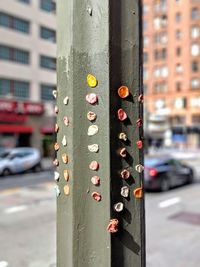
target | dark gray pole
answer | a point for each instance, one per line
(100, 204)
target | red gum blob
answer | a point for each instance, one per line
(125, 174)
(139, 122)
(91, 116)
(91, 98)
(94, 165)
(66, 120)
(141, 98)
(139, 144)
(55, 162)
(96, 196)
(121, 114)
(123, 153)
(113, 226)
(95, 180)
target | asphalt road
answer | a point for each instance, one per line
(27, 221)
(27, 224)
(173, 227)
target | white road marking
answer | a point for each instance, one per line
(3, 263)
(15, 209)
(169, 202)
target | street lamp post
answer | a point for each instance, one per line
(99, 176)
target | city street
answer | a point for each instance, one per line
(173, 227)
(27, 221)
(27, 224)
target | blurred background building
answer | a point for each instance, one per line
(27, 73)
(172, 71)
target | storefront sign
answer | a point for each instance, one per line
(28, 108)
(8, 106)
(33, 108)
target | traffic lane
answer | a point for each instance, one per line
(25, 179)
(18, 197)
(27, 226)
(173, 227)
(28, 237)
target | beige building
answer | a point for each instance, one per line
(27, 72)
(172, 68)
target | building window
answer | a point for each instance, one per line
(178, 34)
(14, 23)
(164, 53)
(160, 22)
(14, 54)
(195, 32)
(145, 88)
(160, 88)
(164, 71)
(180, 103)
(196, 118)
(48, 62)
(160, 54)
(195, 102)
(145, 25)
(179, 68)
(157, 23)
(195, 66)
(194, 13)
(161, 71)
(178, 51)
(145, 41)
(145, 74)
(4, 87)
(145, 57)
(160, 104)
(145, 9)
(24, 1)
(160, 38)
(195, 50)
(178, 86)
(156, 54)
(160, 6)
(48, 34)
(46, 92)
(178, 17)
(157, 72)
(48, 5)
(195, 83)
(19, 89)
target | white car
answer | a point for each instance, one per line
(19, 160)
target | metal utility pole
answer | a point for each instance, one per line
(99, 176)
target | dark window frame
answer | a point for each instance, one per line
(13, 55)
(13, 23)
(13, 88)
(47, 62)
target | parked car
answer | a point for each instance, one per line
(19, 160)
(164, 172)
(4, 152)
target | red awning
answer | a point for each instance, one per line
(12, 128)
(47, 130)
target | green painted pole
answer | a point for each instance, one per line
(99, 176)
